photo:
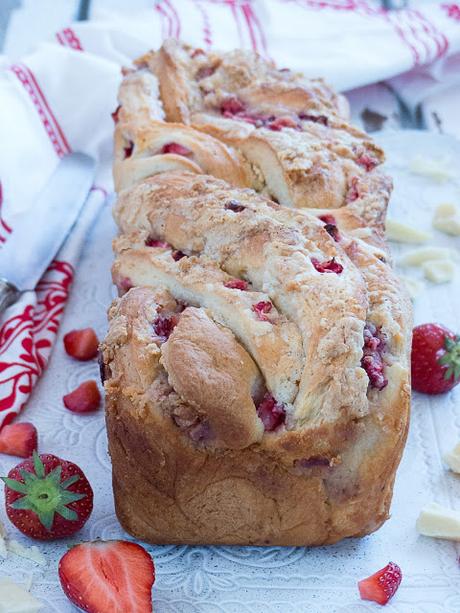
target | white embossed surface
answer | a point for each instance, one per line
(273, 579)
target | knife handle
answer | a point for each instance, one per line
(8, 294)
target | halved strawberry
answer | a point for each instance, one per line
(18, 439)
(81, 344)
(382, 585)
(47, 498)
(85, 398)
(108, 577)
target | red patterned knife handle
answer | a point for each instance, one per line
(8, 294)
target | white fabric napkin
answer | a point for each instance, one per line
(59, 99)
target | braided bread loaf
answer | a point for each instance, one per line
(256, 365)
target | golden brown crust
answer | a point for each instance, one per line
(257, 374)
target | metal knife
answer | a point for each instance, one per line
(35, 241)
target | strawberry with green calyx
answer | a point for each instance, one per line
(47, 498)
(435, 362)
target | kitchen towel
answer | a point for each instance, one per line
(59, 98)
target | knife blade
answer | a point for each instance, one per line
(36, 240)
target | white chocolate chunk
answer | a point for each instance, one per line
(32, 553)
(439, 271)
(452, 459)
(447, 219)
(445, 209)
(403, 233)
(15, 599)
(414, 286)
(438, 169)
(440, 522)
(417, 257)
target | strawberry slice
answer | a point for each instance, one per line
(19, 439)
(108, 577)
(81, 344)
(85, 398)
(382, 585)
(47, 497)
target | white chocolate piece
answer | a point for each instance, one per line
(447, 219)
(15, 599)
(439, 271)
(414, 286)
(403, 233)
(32, 553)
(452, 459)
(439, 522)
(439, 170)
(417, 257)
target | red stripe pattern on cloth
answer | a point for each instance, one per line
(29, 336)
(5, 229)
(68, 38)
(49, 121)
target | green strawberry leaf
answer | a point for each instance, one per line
(14, 485)
(38, 466)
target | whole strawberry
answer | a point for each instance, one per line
(435, 359)
(47, 498)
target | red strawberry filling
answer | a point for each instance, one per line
(367, 161)
(235, 206)
(283, 122)
(271, 412)
(261, 309)
(115, 114)
(372, 360)
(125, 284)
(176, 148)
(328, 266)
(178, 255)
(199, 432)
(153, 242)
(331, 226)
(231, 106)
(164, 325)
(205, 71)
(313, 462)
(128, 149)
(197, 52)
(353, 190)
(237, 284)
(322, 119)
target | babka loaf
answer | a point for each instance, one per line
(256, 364)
